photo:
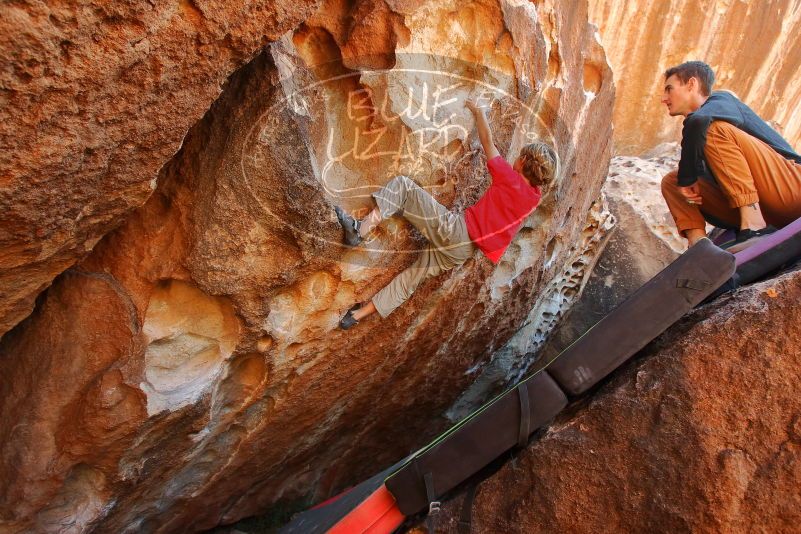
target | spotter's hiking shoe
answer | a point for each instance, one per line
(350, 226)
(746, 238)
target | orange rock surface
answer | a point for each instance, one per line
(188, 372)
(94, 99)
(754, 48)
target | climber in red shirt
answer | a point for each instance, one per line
(489, 225)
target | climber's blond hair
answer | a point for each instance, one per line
(539, 164)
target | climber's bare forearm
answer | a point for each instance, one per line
(484, 132)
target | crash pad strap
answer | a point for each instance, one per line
(433, 503)
(428, 478)
(466, 517)
(525, 415)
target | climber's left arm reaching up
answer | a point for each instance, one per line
(484, 132)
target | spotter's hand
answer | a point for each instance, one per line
(691, 193)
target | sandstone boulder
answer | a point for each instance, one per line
(94, 99)
(759, 62)
(189, 372)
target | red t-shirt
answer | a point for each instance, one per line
(493, 221)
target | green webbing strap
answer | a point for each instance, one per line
(433, 503)
(466, 517)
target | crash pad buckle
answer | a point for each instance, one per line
(434, 507)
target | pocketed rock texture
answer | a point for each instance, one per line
(550, 315)
(94, 99)
(753, 47)
(703, 434)
(644, 242)
(189, 371)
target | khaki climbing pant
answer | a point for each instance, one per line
(448, 246)
(747, 171)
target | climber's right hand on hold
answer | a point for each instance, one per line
(484, 131)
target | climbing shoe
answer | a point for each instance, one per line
(350, 226)
(348, 320)
(746, 238)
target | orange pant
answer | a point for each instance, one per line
(747, 171)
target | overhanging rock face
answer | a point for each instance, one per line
(94, 99)
(189, 371)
